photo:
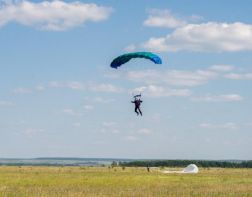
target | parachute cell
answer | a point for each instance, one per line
(117, 62)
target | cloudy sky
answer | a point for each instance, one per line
(59, 96)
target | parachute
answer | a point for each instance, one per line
(117, 62)
(190, 169)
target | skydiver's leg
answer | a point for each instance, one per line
(139, 111)
(136, 111)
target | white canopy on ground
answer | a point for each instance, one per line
(192, 168)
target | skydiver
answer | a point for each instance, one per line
(148, 168)
(137, 102)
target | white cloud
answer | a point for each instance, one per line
(144, 131)
(22, 91)
(228, 126)
(159, 91)
(138, 90)
(115, 131)
(159, 44)
(183, 78)
(208, 37)
(107, 131)
(156, 117)
(52, 15)
(109, 127)
(40, 88)
(99, 99)
(130, 138)
(196, 18)
(71, 112)
(88, 107)
(222, 68)
(103, 100)
(76, 124)
(219, 98)
(100, 142)
(248, 124)
(6, 103)
(238, 76)
(75, 85)
(130, 48)
(6, 2)
(172, 77)
(30, 132)
(104, 88)
(163, 18)
(109, 124)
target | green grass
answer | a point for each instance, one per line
(102, 181)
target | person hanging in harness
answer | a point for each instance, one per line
(137, 101)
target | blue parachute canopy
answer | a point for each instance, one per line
(117, 62)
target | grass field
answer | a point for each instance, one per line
(104, 181)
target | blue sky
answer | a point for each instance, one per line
(59, 96)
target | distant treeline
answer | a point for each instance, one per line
(183, 163)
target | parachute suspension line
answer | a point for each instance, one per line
(137, 95)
